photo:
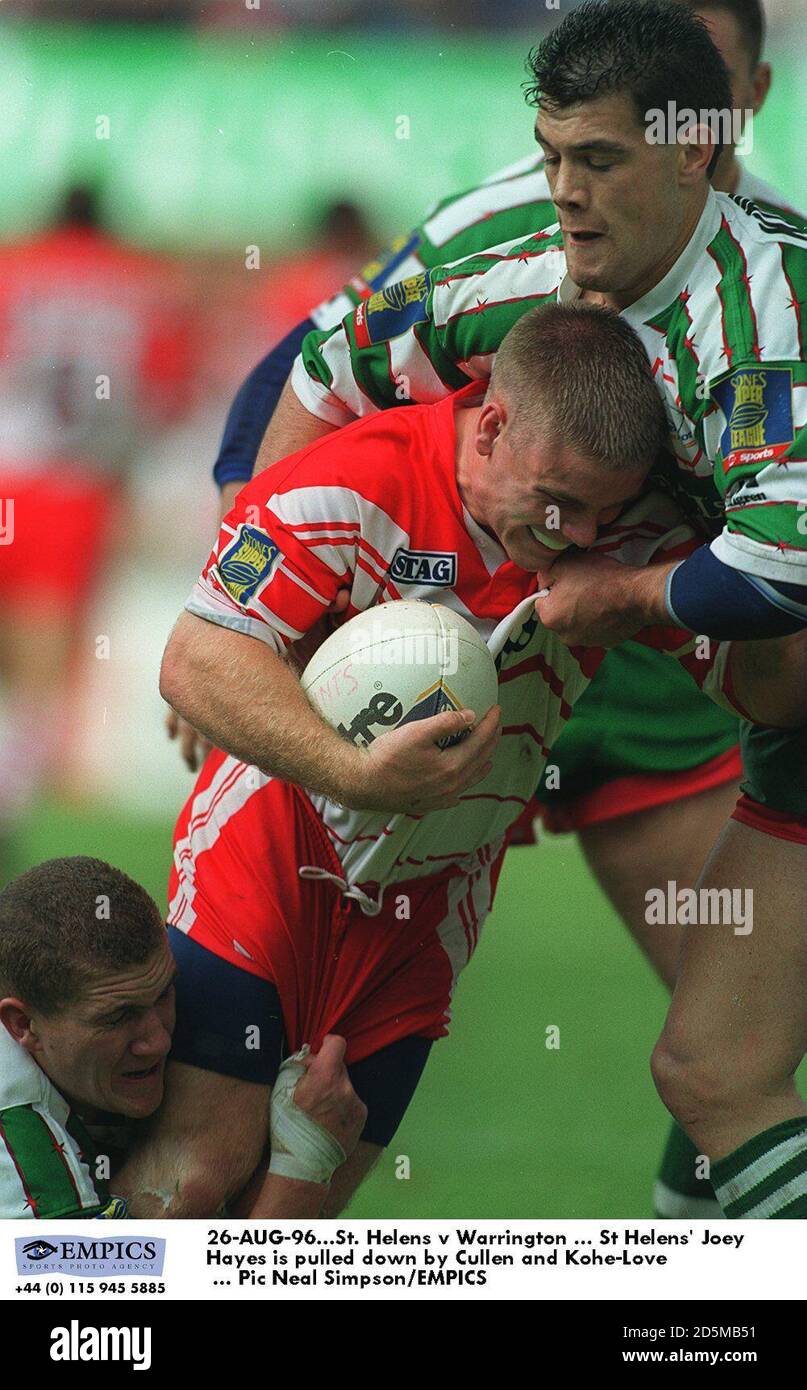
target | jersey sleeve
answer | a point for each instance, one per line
(510, 204)
(761, 469)
(426, 336)
(279, 560)
(43, 1172)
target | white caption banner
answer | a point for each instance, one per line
(420, 1260)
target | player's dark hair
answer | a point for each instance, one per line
(750, 19)
(579, 374)
(66, 920)
(654, 51)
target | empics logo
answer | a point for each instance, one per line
(75, 1343)
(91, 1256)
(38, 1250)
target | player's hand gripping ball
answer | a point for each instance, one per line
(396, 663)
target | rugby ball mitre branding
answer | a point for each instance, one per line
(397, 662)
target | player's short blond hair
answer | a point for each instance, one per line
(578, 375)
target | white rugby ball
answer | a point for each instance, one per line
(397, 662)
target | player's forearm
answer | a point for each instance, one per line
(254, 404)
(289, 1197)
(246, 700)
(291, 428)
(640, 594)
(593, 601)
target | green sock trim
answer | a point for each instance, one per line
(767, 1176)
(678, 1166)
(735, 1162)
(777, 1179)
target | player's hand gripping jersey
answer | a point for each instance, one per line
(376, 508)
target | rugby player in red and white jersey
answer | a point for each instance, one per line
(320, 886)
(642, 819)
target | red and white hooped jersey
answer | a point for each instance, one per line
(375, 508)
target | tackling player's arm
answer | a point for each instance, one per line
(292, 427)
(413, 340)
(594, 601)
(765, 681)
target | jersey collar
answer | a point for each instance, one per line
(678, 277)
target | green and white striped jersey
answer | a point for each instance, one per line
(46, 1156)
(724, 331)
(511, 203)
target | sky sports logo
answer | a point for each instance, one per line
(77, 1343)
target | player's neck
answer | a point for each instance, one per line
(622, 299)
(466, 458)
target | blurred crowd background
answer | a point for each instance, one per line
(181, 183)
(407, 15)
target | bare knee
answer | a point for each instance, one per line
(693, 1080)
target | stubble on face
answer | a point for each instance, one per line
(87, 1050)
(624, 218)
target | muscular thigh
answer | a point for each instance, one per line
(650, 849)
(740, 997)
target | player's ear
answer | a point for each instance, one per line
(760, 86)
(694, 155)
(489, 425)
(15, 1017)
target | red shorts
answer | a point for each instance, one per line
(236, 890)
(625, 796)
(780, 824)
(53, 545)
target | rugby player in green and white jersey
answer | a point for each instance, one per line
(86, 1022)
(86, 1018)
(714, 288)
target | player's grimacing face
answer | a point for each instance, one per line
(108, 1050)
(617, 195)
(542, 497)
